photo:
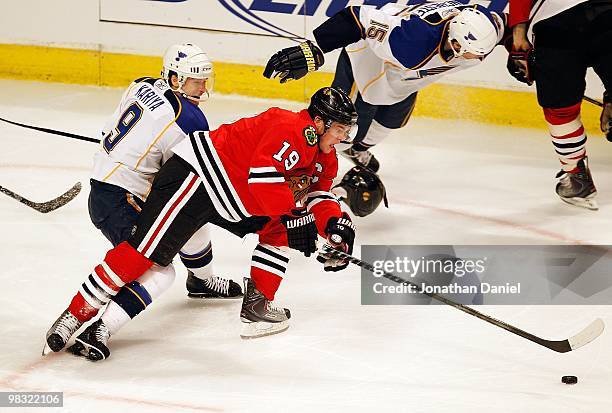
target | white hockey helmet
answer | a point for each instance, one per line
(474, 30)
(188, 61)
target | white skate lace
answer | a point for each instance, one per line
(102, 333)
(272, 308)
(220, 285)
(66, 326)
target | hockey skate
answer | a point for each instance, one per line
(60, 332)
(362, 158)
(578, 188)
(214, 287)
(92, 343)
(259, 316)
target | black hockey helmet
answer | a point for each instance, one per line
(364, 191)
(332, 104)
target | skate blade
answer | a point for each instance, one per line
(209, 297)
(88, 350)
(587, 203)
(262, 329)
(46, 350)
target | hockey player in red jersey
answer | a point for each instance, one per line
(569, 36)
(271, 175)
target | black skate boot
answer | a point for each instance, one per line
(577, 188)
(259, 316)
(60, 332)
(92, 343)
(214, 287)
(362, 158)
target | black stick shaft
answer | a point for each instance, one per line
(561, 347)
(52, 131)
(593, 101)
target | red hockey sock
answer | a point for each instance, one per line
(81, 309)
(265, 282)
(121, 265)
(567, 133)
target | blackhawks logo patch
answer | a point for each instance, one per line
(299, 185)
(311, 135)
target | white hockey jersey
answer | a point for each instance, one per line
(402, 49)
(137, 139)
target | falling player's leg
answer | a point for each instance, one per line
(177, 206)
(197, 256)
(344, 79)
(373, 130)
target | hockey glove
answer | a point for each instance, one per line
(293, 63)
(301, 231)
(340, 235)
(521, 65)
(606, 116)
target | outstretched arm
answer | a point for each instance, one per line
(293, 63)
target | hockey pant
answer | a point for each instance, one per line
(566, 45)
(177, 206)
(114, 211)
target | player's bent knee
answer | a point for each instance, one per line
(127, 263)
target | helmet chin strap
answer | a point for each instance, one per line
(205, 96)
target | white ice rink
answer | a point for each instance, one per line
(448, 182)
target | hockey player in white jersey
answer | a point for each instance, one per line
(152, 117)
(389, 54)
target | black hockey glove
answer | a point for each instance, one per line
(606, 116)
(301, 231)
(341, 236)
(521, 65)
(295, 62)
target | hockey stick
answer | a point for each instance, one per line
(593, 101)
(48, 206)
(585, 336)
(53, 131)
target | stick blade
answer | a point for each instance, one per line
(69, 195)
(588, 334)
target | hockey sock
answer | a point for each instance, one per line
(376, 134)
(268, 267)
(136, 296)
(122, 264)
(568, 135)
(199, 262)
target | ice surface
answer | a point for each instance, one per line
(449, 182)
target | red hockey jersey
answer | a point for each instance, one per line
(265, 165)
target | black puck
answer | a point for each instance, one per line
(569, 379)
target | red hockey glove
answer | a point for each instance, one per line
(301, 231)
(341, 236)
